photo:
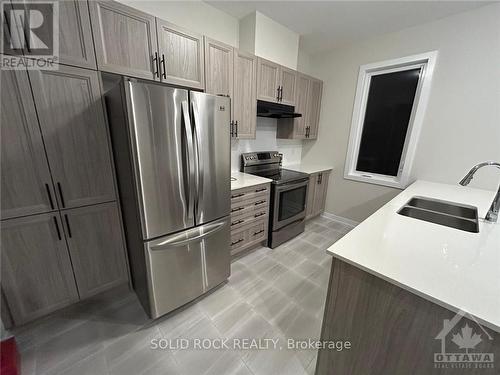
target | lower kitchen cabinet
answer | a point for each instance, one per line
(249, 217)
(37, 277)
(96, 247)
(316, 193)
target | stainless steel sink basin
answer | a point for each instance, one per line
(453, 215)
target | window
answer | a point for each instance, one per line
(390, 102)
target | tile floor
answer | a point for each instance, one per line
(276, 293)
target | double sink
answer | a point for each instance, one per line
(450, 214)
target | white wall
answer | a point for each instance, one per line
(193, 15)
(266, 141)
(462, 123)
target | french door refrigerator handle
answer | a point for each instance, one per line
(199, 167)
(190, 164)
(180, 239)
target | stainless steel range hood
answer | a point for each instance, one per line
(275, 110)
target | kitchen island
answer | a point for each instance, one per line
(408, 293)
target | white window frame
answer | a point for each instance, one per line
(425, 60)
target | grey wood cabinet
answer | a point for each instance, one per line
(36, 270)
(125, 39)
(313, 108)
(75, 134)
(307, 102)
(76, 46)
(316, 193)
(244, 100)
(26, 184)
(96, 246)
(218, 68)
(288, 83)
(268, 80)
(181, 55)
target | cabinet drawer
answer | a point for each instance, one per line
(256, 203)
(247, 219)
(258, 231)
(238, 239)
(245, 194)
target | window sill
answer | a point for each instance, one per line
(377, 180)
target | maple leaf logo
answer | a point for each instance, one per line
(466, 340)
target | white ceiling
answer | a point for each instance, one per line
(324, 25)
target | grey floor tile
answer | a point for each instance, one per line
(270, 303)
(275, 362)
(93, 365)
(274, 272)
(165, 366)
(254, 327)
(216, 302)
(229, 363)
(234, 317)
(286, 317)
(177, 323)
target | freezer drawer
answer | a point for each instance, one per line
(185, 265)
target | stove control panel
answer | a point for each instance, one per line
(263, 157)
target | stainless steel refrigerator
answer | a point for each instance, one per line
(172, 153)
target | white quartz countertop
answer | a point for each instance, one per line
(308, 168)
(456, 269)
(244, 180)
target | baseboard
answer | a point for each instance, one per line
(340, 219)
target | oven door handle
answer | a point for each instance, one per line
(285, 187)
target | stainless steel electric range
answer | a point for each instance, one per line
(288, 194)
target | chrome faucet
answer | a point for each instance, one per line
(492, 214)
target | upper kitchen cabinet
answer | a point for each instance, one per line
(180, 54)
(244, 103)
(288, 86)
(276, 83)
(313, 108)
(125, 40)
(72, 121)
(36, 269)
(268, 80)
(218, 68)
(26, 184)
(307, 102)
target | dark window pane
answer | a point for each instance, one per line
(388, 110)
(292, 202)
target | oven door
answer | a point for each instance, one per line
(289, 203)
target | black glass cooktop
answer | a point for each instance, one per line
(281, 175)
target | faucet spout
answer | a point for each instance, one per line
(492, 215)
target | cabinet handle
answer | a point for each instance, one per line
(156, 66)
(67, 225)
(164, 74)
(259, 190)
(259, 202)
(236, 127)
(231, 128)
(237, 195)
(237, 209)
(281, 93)
(237, 222)
(57, 228)
(308, 128)
(61, 194)
(259, 232)
(50, 196)
(278, 94)
(259, 214)
(235, 242)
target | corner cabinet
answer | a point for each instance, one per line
(316, 193)
(125, 39)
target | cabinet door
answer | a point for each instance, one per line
(302, 93)
(125, 39)
(311, 191)
(244, 103)
(96, 247)
(181, 55)
(75, 134)
(75, 35)
(288, 83)
(218, 68)
(37, 277)
(267, 80)
(26, 185)
(314, 107)
(320, 194)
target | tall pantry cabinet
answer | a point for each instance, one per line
(61, 233)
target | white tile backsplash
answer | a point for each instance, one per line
(265, 140)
